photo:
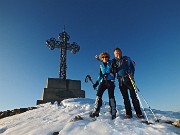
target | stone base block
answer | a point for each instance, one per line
(60, 89)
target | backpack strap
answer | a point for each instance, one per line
(130, 64)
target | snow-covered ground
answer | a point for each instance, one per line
(49, 118)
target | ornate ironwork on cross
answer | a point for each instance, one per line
(63, 45)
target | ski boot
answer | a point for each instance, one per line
(127, 116)
(96, 111)
(140, 116)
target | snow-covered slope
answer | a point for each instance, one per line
(48, 119)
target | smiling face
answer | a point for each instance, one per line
(104, 57)
(117, 53)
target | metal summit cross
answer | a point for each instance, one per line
(58, 89)
(64, 46)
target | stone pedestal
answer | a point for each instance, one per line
(60, 89)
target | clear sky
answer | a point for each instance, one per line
(146, 30)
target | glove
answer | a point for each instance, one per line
(95, 85)
(131, 76)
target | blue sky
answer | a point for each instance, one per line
(146, 30)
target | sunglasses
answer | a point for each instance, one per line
(104, 57)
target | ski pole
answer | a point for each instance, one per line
(88, 77)
(135, 88)
(157, 120)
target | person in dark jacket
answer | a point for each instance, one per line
(125, 69)
(105, 81)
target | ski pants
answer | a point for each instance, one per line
(106, 84)
(124, 86)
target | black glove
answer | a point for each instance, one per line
(95, 85)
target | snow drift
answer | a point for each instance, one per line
(50, 118)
